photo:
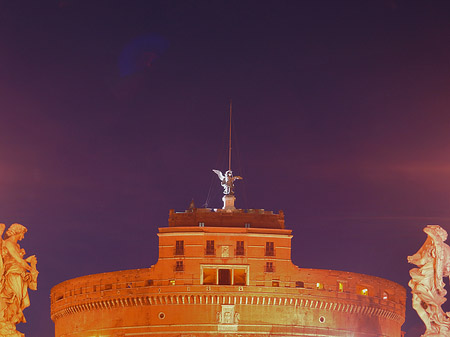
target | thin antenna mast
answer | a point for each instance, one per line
(229, 145)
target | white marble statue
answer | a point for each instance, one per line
(433, 260)
(227, 181)
(16, 276)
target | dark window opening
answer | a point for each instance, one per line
(224, 276)
(240, 248)
(269, 268)
(179, 266)
(210, 247)
(149, 282)
(270, 249)
(299, 284)
(179, 248)
(275, 283)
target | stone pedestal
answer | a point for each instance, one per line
(228, 202)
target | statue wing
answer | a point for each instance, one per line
(219, 174)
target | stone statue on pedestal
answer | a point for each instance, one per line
(17, 275)
(227, 181)
(433, 260)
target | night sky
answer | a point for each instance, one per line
(112, 113)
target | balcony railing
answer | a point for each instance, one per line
(178, 251)
(239, 252)
(179, 267)
(210, 251)
(270, 252)
(269, 269)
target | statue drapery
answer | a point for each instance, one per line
(17, 275)
(433, 260)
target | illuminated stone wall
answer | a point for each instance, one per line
(256, 291)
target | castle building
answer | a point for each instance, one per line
(227, 272)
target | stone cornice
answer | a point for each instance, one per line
(326, 304)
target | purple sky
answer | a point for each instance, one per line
(112, 113)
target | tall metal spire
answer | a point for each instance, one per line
(229, 144)
(227, 179)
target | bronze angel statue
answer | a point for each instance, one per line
(17, 275)
(227, 181)
(433, 260)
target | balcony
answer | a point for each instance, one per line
(239, 252)
(210, 251)
(269, 268)
(179, 267)
(270, 252)
(178, 251)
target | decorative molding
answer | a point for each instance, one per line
(226, 299)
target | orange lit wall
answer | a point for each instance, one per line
(256, 291)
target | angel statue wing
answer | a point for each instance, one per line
(219, 174)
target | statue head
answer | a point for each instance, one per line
(229, 173)
(15, 229)
(436, 232)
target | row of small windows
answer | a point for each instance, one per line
(210, 248)
(360, 290)
(217, 276)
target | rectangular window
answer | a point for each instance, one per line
(269, 268)
(275, 283)
(224, 276)
(179, 266)
(299, 284)
(340, 287)
(240, 248)
(201, 224)
(179, 247)
(270, 250)
(210, 248)
(247, 225)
